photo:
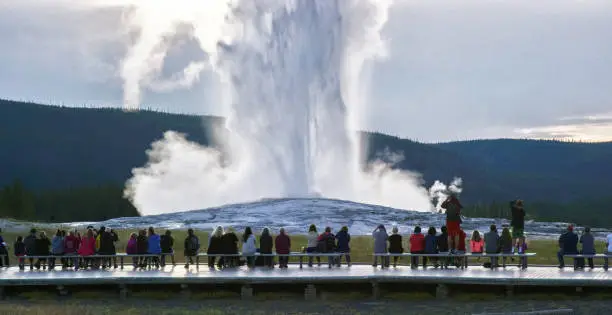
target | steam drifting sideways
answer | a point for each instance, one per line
(292, 89)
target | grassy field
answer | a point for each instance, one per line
(361, 246)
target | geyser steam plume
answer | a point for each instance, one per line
(292, 86)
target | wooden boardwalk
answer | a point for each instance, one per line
(511, 276)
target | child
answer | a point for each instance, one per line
(395, 245)
(417, 246)
(476, 244)
(20, 251)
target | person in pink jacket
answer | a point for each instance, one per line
(132, 248)
(87, 248)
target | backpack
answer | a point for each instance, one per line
(330, 243)
(194, 245)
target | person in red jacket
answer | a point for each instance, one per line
(417, 246)
(460, 248)
(282, 243)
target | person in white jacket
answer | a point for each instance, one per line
(312, 244)
(249, 248)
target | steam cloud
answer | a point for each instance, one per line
(293, 90)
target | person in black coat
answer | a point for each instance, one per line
(230, 247)
(166, 243)
(265, 247)
(42, 249)
(142, 247)
(215, 248)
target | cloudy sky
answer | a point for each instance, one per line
(458, 69)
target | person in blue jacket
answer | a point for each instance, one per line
(344, 238)
(154, 247)
(568, 245)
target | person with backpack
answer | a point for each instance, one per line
(167, 243)
(343, 239)
(192, 247)
(327, 244)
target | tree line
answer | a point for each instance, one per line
(95, 203)
(587, 212)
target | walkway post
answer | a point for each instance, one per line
(310, 293)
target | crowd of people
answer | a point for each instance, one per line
(97, 248)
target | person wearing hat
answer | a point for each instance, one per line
(568, 245)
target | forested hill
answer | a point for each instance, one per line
(51, 149)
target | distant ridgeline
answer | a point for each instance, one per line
(68, 164)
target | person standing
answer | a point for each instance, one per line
(517, 221)
(453, 220)
(568, 245)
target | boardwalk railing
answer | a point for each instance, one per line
(299, 255)
(605, 258)
(445, 257)
(120, 256)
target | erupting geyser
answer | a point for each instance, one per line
(291, 73)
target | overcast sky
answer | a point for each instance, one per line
(456, 70)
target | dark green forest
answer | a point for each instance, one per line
(70, 164)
